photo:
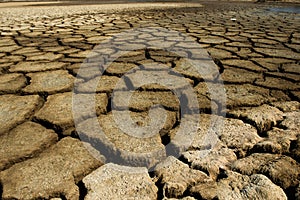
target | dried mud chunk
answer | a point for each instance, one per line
(276, 141)
(122, 144)
(143, 100)
(37, 66)
(99, 84)
(213, 162)
(59, 112)
(11, 83)
(273, 166)
(287, 106)
(256, 186)
(50, 82)
(50, 174)
(235, 75)
(239, 136)
(124, 183)
(263, 117)
(24, 141)
(278, 83)
(175, 176)
(291, 121)
(16, 109)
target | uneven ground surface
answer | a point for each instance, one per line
(52, 105)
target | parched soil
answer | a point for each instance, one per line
(150, 101)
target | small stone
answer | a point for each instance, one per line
(11, 83)
(176, 176)
(16, 109)
(23, 142)
(50, 82)
(36, 66)
(263, 117)
(272, 165)
(124, 183)
(51, 173)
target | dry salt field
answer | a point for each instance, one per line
(149, 100)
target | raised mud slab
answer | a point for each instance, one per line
(230, 132)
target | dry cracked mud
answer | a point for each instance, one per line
(149, 101)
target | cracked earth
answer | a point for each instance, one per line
(47, 152)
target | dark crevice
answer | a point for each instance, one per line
(291, 192)
(165, 139)
(184, 160)
(293, 97)
(160, 192)
(290, 38)
(71, 72)
(82, 190)
(109, 104)
(43, 95)
(48, 125)
(1, 190)
(28, 80)
(63, 197)
(293, 145)
(147, 54)
(219, 64)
